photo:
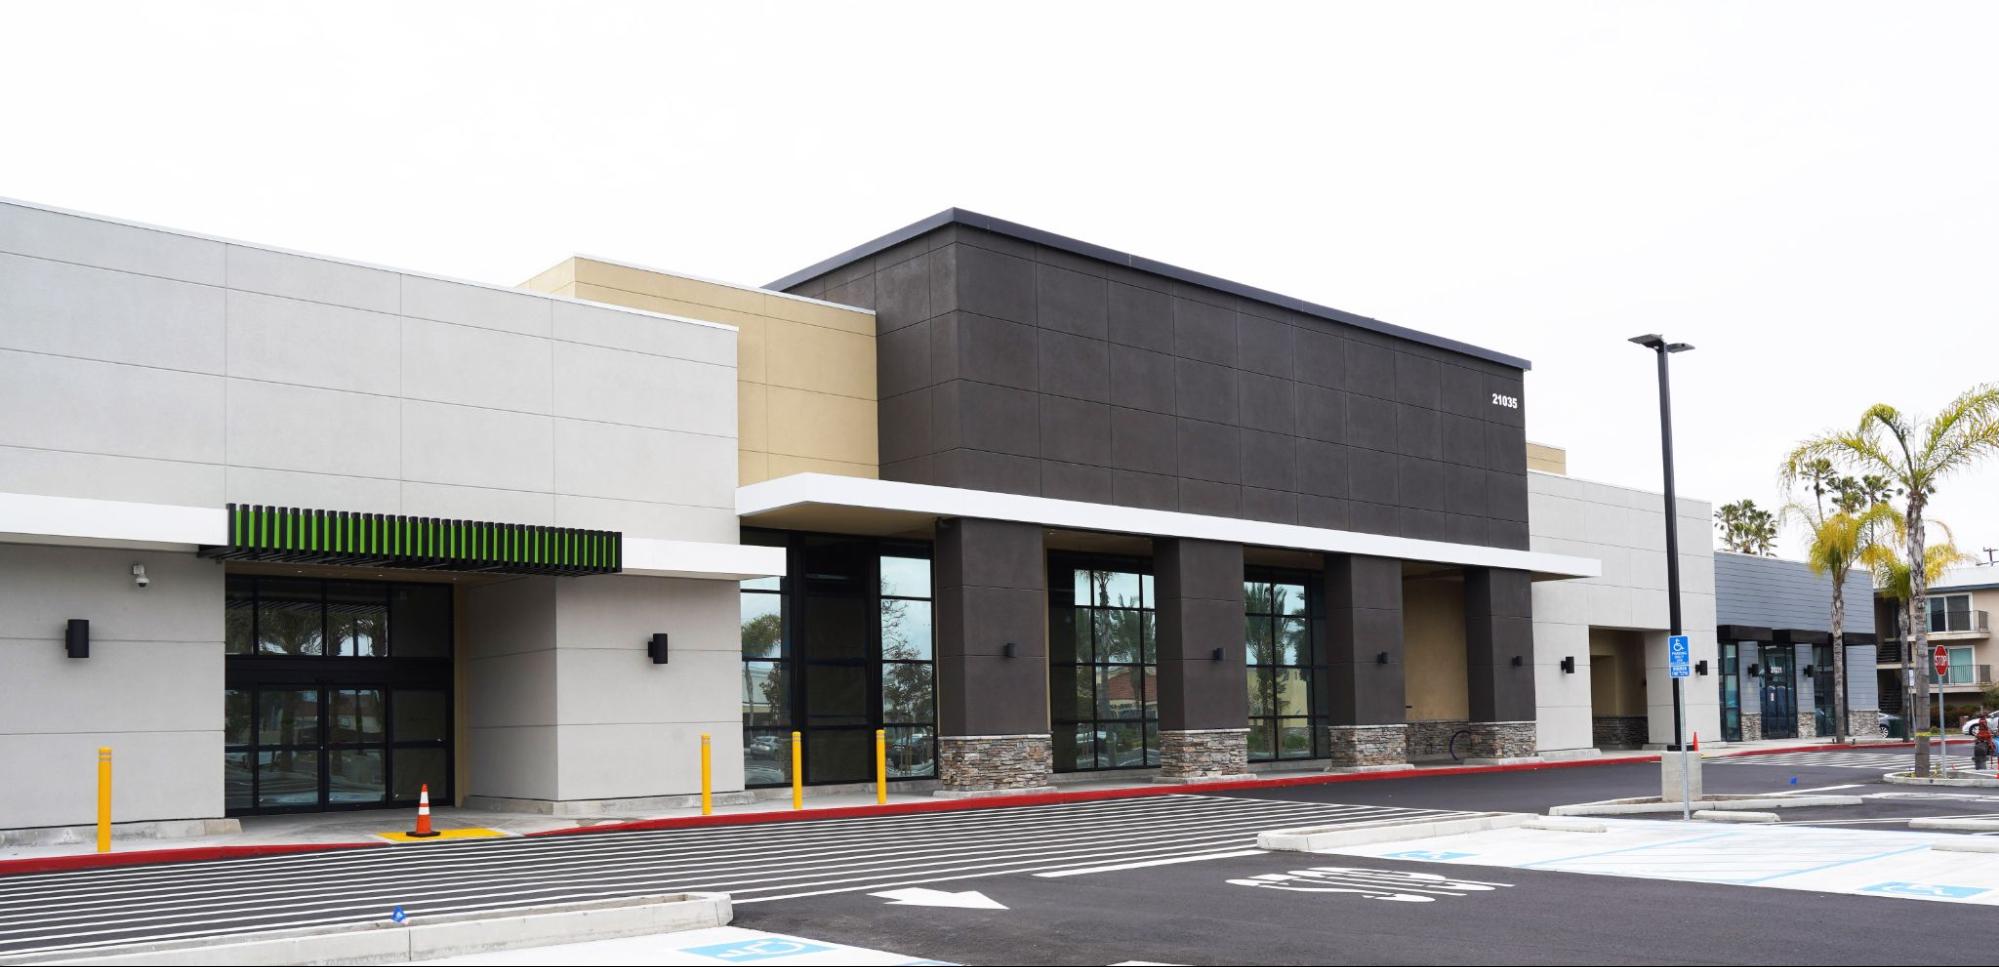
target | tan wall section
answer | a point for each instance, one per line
(805, 369)
(1433, 649)
(1547, 459)
(1617, 672)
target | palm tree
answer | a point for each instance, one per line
(1837, 542)
(1915, 455)
(1893, 579)
(1746, 528)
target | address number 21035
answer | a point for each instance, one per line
(1510, 402)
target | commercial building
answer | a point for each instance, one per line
(1776, 653)
(1033, 507)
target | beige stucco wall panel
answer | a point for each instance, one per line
(806, 370)
(817, 426)
(1433, 649)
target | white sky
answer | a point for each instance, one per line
(1806, 191)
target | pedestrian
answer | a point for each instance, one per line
(1981, 747)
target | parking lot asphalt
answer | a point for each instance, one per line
(1204, 913)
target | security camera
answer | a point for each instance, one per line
(139, 575)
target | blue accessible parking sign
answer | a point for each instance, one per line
(1679, 657)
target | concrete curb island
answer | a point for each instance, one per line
(421, 938)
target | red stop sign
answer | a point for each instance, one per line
(1941, 658)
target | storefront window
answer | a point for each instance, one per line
(842, 648)
(1282, 659)
(1103, 671)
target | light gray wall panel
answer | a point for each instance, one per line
(662, 392)
(475, 305)
(475, 367)
(109, 245)
(274, 426)
(476, 447)
(321, 491)
(313, 279)
(76, 310)
(56, 473)
(59, 403)
(313, 344)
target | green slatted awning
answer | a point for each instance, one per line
(295, 535)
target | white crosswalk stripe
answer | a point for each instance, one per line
(76, 911)
(1872, 761)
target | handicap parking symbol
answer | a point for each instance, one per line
(1933, 890)
(1432, 855)
(750, 951)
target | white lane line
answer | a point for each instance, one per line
(1086, 870)
(1796, 792)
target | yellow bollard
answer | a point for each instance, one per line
(707, 778)
(104, 799)
(797, 774)
(881, 767)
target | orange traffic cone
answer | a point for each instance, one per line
(423, 829)
(1697, 742)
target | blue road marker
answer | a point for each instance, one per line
(1794, 780)
(398, 915)
(1935, 890)
(750, 951)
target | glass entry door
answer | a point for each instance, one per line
(337, 694)
(1780, 697)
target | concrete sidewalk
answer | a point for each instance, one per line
(366, 826)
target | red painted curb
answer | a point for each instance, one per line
(148, 857)
(196, 854)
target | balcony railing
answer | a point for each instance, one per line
(1959, 622)
(1969, 675)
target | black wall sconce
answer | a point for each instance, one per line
(1218, 654)
(1808, 671)
(1569, 665)
(1007, 650)
(1517, 661)
(1755, 669)
(76, 638)
(656, 648)
(1700, 668)
(1381, 658)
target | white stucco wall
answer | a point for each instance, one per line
(159, 367)
(563, 703)
(1625, 529)
(149, 365)
(151, 688)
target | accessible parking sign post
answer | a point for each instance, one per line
(1679, 662)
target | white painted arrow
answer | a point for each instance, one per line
(919, 897)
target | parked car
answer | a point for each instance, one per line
(1970, 726)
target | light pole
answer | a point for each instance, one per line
(1663, 349)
